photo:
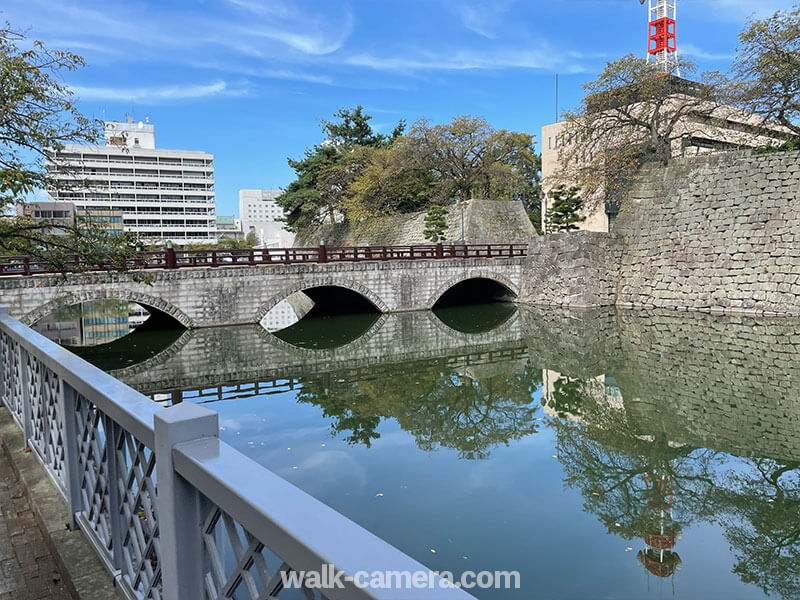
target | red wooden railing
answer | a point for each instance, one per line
(180, 259)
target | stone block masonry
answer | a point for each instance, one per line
(715, 233)
(571, 269)
(719, 233)
(209, 297)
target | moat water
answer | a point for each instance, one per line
(601, 454)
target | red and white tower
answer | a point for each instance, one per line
(662, 47)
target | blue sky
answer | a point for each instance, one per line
(249, 80)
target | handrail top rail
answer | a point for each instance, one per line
(131, 409)
(273, 509)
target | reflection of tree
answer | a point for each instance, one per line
(624, 479)
(440, 409)
(764, 530)
(642, 485)
(568, 395)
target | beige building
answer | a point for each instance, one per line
(724, 128)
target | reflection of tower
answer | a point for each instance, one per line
(659, 558)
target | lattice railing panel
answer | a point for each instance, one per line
(12, 376)
(93, 472)
(45, 394)
(136, 465)
(238, 566)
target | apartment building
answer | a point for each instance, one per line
(162, 194)
(261, 214)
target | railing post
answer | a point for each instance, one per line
(323, 253)
(27, 265)
(169, 257)
(439, 250)
(179, 503)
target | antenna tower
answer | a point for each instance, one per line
(662, 45)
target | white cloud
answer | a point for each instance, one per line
(540, 58)
(694, 51)
(484, 17)
(157, 94)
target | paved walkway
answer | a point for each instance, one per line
(28, 570)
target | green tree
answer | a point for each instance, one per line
(394, 181)
(468, 158)
(326, 169)
(38, 117)
(437, 164)
(435, 223)
(767, 68)
(564, 211)
(37, 114)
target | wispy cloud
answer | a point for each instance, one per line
(156, 95)
(484, 17)
(694, 51)
(539, 58)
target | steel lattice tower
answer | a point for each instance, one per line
(662, 46)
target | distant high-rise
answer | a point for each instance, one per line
(163, 194)
(260, 213)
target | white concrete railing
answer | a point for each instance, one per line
(172, 511)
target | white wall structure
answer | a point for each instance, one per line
(163, 194)
(260, 213)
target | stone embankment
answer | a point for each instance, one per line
(718, 233)
(485, 222)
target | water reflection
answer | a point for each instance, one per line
(653, 449)
(325, 333)
(92, 323)
(476, 318)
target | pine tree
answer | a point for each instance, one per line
(564, 212)
(435, 224)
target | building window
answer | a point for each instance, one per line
(550, 143)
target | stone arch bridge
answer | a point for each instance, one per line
(232, 295)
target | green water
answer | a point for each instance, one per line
(601, 454)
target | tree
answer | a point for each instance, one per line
(564, 212)
(767, 68)
(435, 223)
(352, 129)
(437, 164)
(394, 181)
(37, 117)
(37, 114)
(470, 159)
(326, 169)
(632, 113)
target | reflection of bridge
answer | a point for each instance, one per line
(209, 358)
(726, 383)
(204, 294)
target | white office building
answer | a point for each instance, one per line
(260, 213)
(163, 194)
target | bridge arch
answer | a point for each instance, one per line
(351, 285)
(90, 295)
(467, 276)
